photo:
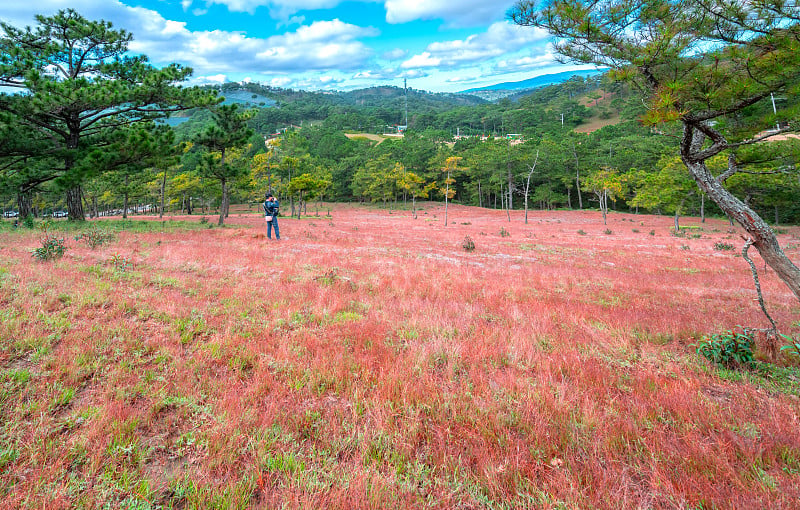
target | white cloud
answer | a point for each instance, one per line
(280, 82)
(461, 13)
(424, 59)
(394, 54)
(461, 79)
(500, 39)
(527, 63)
(216, 79)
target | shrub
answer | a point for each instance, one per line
(730, 349)
(608, 232)
(203, 220)
(652, 232)
(52, 248)
(95, 237)
(468, 244)
(581, 232)
(504, 232)
(720, 246)
(28, 222)
(120, 263)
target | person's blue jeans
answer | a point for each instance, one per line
(270, 225)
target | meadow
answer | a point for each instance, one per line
(369, 360)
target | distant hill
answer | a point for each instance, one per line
(247, 98)
(500, 90)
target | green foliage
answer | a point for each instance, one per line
(52, 247)
(468, 244)
(730, 349)
(120, 263)
(504, 232)
(793, 349)
(28, 221)
(95, 237)
(723, 246)
(83, 90)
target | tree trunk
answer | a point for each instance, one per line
(75, 204)
(446, 193)
(510, 201)
(761, 234)
(125, 200)
(222, 205)
(577, 176)
(677, 225)
(189, 205)
(702, 207)
(163, 191)
(480, 195)
(24, 202)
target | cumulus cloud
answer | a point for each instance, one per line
(462, 13)
(215, 79)
(527, 63)
(322, 45)
(394, 54)
(500, 39)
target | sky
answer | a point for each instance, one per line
(437, 45)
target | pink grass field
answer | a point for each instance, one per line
(368, 361)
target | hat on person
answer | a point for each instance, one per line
(269, 195)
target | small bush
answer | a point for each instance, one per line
(652, 232)
(203, 220)
(581, 232)
(95, 237)
(720, 246)
(28, 222)
(504, 232)
(468, 244)
(730, 349)
(52, 247)
(635, 231)
(120, 263)
(608, 232)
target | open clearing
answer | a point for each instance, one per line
(368, 361)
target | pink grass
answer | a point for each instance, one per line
(368, 361)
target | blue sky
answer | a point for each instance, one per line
(438, 45)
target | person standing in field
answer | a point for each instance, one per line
(271, 210)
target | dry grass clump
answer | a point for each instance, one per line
(368, 361)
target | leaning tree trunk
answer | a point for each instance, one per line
(75, 204)
(762, 236)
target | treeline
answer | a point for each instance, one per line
(107, 148)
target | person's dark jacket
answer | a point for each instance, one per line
(271, 208)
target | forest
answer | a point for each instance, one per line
(575, 145)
